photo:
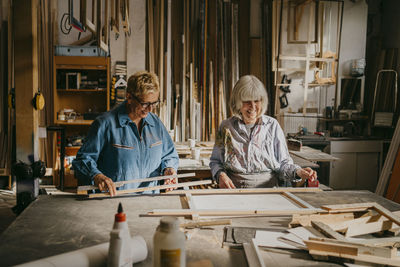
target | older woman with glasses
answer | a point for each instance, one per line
(128, 142)
(250, 149)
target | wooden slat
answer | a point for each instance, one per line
(305, 220)
(326, 230)
(246, 191)
(199, 224)
(149, 179)
(388, 166)
(351, 249)
(349, 207)
(390, 215)
(394, 183)
(201, 212)
(143, 189)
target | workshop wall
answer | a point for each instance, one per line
(131, 48)
(352, 46)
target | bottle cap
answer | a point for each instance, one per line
(169, 223)
(120, 216)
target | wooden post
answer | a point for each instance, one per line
(26, 77)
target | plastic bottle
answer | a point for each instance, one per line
(169, 244)
(120, 250)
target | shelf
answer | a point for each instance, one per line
(74, 122)
(82, 90)
(348, 119)
(304, 58)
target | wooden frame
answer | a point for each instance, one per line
(90, 24)
(102, 40)
(294, 20)
(195, 213)
(73, 21)
(115, 11)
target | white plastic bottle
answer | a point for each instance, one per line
(120, 250)
(169, 244)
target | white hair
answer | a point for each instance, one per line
(248, 88)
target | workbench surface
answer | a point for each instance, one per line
(62, 223)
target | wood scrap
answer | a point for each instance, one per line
(305, 220)
(354, 252)
(326, 230)
(348, 207)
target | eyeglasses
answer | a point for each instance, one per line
(146, 104)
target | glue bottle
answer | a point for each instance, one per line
(169, 244)
(120, 250)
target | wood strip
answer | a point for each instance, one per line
(361, 243)
(394, 183)
(247, 191)
(388, 165)
(326, 230)
(383, 242)
(143, 189)
(157, 178)
(393, 217)
(190, 204)
(299, 201)
(349, 207)
(305, 220)
(256, 250)
(260, 212)
(199, 224)
(251, 256)
(343, 249)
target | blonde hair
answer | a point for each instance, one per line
(248, 88)
(143, 82)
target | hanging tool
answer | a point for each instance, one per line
(384, 119)
(285, 89)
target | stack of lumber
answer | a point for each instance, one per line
(344, 229)
(194, 49)
(341, 233)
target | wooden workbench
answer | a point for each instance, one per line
(61, 223)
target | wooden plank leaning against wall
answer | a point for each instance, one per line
(209, 41)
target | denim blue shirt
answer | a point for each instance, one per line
(114, 147)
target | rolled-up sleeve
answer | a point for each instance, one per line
(287, 168)
(217, 156)
(169, 158)
(85, 163)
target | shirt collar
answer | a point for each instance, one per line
(262, 121)
(124, 120)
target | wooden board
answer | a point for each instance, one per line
(243, 202)
(394, 183)
(311, 154)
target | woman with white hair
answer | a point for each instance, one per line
(250, 149)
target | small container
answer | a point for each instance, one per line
(357, 67)
(120, 249)
(169, 244)
(196, 153)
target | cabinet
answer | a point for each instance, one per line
(81, 92)
(359, 164)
